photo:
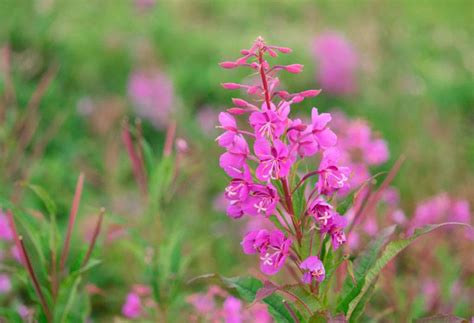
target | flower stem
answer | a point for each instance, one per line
(94, 237)
(72, 220)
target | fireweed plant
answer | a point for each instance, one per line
(273, 175)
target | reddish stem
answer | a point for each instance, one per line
(170, 132)
(137, 163)
(94, 237)
(264, 78)
(72, 220)
(26, 262)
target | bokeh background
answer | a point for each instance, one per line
(412, 81)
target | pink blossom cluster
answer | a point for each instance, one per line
(337, 63)
(137, 301)
(152, 95)
(441, 208)
(216, 305)
(360, 147)
(262, 160)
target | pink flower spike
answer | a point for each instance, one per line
(228, 65)
(294, 68)
(231, 86)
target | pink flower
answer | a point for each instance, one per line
(258, 313)
(202, 303)
(232, 309)
(275, 161)
(331, 177)
(5, 284)
(273, 248)
(5, 231)
(322, 212)
(228, 124)
(336, 230)
(207, 117)
(302, 137)
(152, 96)
(314, 269)
(233, 160)
(237, 193)
(255, 242)
(376, 152)
(132, 308)
(262, 200)
(323, 135)
(337, 63)
(275, 255)
(460, 212)
(269, 124)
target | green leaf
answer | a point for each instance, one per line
(392, 249)
(362, 265)
(45, 198)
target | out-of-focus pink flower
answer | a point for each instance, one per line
(431, 291)
(132, 307)
(232, 309)
(181, 145)
(202, 303)
(15, 252)
(258, 313)
(399, 217)
(152, 96)
(460, 212)
(23, 311)
(5, 231)
(376, 152)
(337, 63)
(5, 284)
(144, 4)
(141, 290)
(353, 240)
(207, 118)
(220, 203)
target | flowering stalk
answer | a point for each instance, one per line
(261, 184)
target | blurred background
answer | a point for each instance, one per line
(405, 67)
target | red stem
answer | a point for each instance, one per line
(94, 237)
(170, 132)
(264, 78)
(72, 220)
(27, 264)
(137, 163)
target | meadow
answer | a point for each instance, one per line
(114, 195)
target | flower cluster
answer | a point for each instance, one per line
(263, 161)
(137, 302)
(207, 307)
